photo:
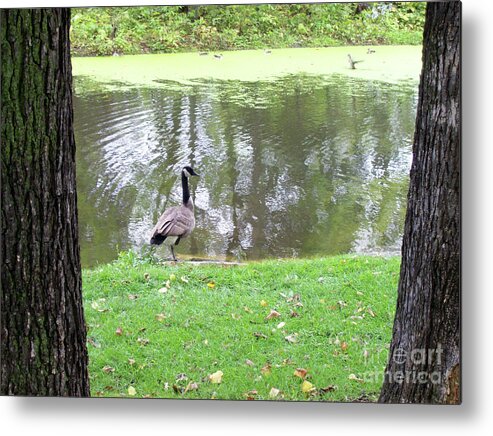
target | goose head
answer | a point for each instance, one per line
(188, 171)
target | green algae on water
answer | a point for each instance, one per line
(390, 64)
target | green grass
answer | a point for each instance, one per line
(213, 318)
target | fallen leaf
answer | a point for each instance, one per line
(329, 388)
(163, 290)
(177, 389)
(94, 343)
(131, 361)
(172, 277)
(247, 309)
(307, 387)
(344, 346)
(181, 377)
(354, 378)
(249, 362)
(263, 303)
(133, 296)
(266, 369)
(274, 392)
(184, 279)
(192, 386)
(143, 341)
(131, 391)
(273, 314)
(107, 369)
(250, 395)
(216, 377)
(259, 335)
(211, 285)
(166, 386)
(147, 276)
(281, 325)
(300, 372)
(160, 317)
(371, 312)
(119, 331)
(294, 314)
(295, 297)
(292, 338)
(235, 316)
(365, 354)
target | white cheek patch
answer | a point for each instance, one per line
(186, 172)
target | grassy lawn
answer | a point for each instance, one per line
(175, 331)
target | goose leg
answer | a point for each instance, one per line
(173, 253)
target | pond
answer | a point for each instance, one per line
(296, 165)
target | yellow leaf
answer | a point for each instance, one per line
(307, 387)
(211, 285)
(216, 377)
(131, 391)
(172, 277)
(263, 303)
(354, 378)
(160, 317)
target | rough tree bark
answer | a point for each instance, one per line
(423, 364)
(43, 336)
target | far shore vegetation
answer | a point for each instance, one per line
(105, 31)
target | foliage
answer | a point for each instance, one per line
(163, 29)
(313, 329)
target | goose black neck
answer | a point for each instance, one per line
(184, 185)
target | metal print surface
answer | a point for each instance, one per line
(235, 202)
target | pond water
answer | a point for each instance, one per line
(301, 165)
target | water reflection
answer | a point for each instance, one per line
(299, 166)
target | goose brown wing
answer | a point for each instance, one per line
(176, 221)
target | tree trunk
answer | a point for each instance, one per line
(43, 336)
(423, 364)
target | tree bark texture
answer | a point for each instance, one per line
(424, 364)
(43, 336)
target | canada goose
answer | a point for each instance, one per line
(176, 222)
(352, 62)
